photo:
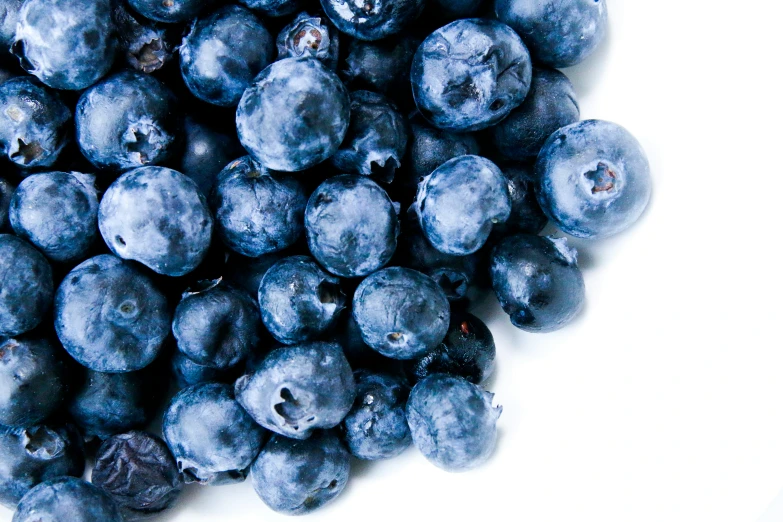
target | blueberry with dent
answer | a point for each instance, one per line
(309, 36)
(145, 45)
(26, 289)
(372, 19)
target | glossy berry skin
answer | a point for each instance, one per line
(372, 19)
(526, 215)
(145, 45)
(383, 66)
(470, 74)
(299, 300)
(594, 179)
(27, 289)
(298, 389)
(294, 115)
(109, 315)
(460, 202)
(401, 313)
(376, 427)
(58, 213)
(6, 193)
(158, 217)
(213, 439)
(67, 498)
(257, 212)
(310, 37)
(205, 152)
(351, 226)
(34, 123)
(559, 33)
(273, 7)
(171, 11)
(537, 282)
(295, 477)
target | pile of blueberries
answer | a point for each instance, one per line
(268, 221)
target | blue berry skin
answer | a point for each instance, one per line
(205, 153)
(9, 16)
(74, 56)
(298, 389)
(526, 215)
(594, 179)
(213, 439)
(273, 8)
(67, 498)
(34, 123)
(537, 282)
(299, 300)
(372, 19)
(26, 289)
(129, 120)
(295, 477)
(156, 216)
(110, 317)
(359, 355)
(401, 313)
(559, 33)
(257, 212)
(145, 45)
(187, 373)
(58, 213)
(470, 74)
(383, 66)
(6, 193)
(171, 11)
(294, 116)
(34, 455)
(460, 202)
(376, 427)
(310, 37)
(351, 226)
(246, 273)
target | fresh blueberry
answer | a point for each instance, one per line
(273, 7)
(372, 19)
(213, 439)
(298, 389)
(594, 179)
(171, 11)
(257, 212)
(146, 45)
(470, 74)
(295, 477)
(156, 216)
(526, 215)
(187, 373)
(246, 273)
(383, 66)
(9, 16)
(309, 37)
(67, 499)
(109, 316)
(359, 355)
(6, 193)
(401, 313)
(559, 33)
(205, 153)
(294, 116)
(26, 289)
(351, 226)
(34, 123)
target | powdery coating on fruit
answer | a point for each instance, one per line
(273, 7)
(294, 116)
(372, 19)
(453, 422)
(205, 153)
(6, 193)
(382, 66)
(460, 202)
(351, 226)
(69, 499)
(9, 16)
(171, 11)
(109, 315)
(158, 217)
(26, 286)
(213, 439)
(146, 45)
(526, 215)
(298, 389)
(401, 313)
(309, 37)
(470, 74)
(295, 477)
(559, 33)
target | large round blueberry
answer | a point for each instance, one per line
(146, 45)
(69, 499)
(6, 193)
(156, 216)
(594, 179)
(26, 289)
(351, 226)
(537, 282)
(383, 66)
(298, 389)
(526, 215)
(309, 37)
(273, 7)
(257, 212)
(460, 202)
(294, 116)
(213, 439)
(205, 153)
(372, 19)
(470, 74)
(109, 316)
(171, 11)
(401, 313)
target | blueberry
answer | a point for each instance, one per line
(526, 215)
(537, 282)
(126, 121)
(470, 74)
(6, 193)
(401, 313)
(298, 389)
(294, 116)
(67, 44)
(109, 316)
(298, 300)
(205, 153)
(559, 33)
(295, 477)
(257, 212)
(138, 471)
(594, 179)
(34, 123)
(213, 439)
(58, 213)
(156, 216)
(309, 37)
(455, 9)
(372, 19)
(359, 355)
(460, 202)
(246, 273)
(187, 373)
(351, 226)
(26, 289)
(34, 455)
(383, 66)
(376, 427)
(273, 7)
(69, 499)
(145, 45)
(171, 11)
(9, 16)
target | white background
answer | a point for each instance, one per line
(664, 400)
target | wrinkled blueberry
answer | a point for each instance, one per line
(372, 19)
(309, 37)
(526, 215)
(26, 289)
(273, 7)
(171, 11)
(187, 373)
(205, 152)
(145, 45)
(67, 499)
(383, 66)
